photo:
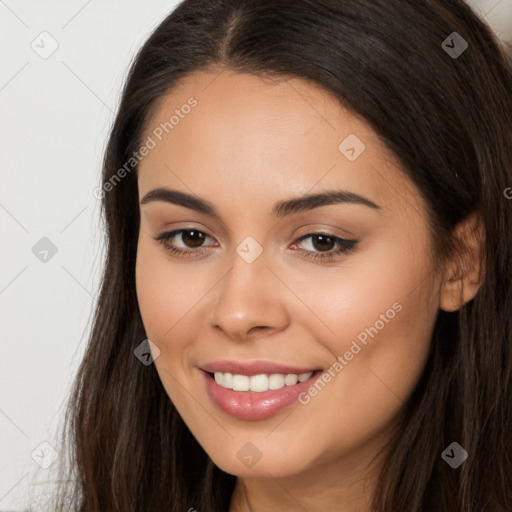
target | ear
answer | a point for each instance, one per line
(464, 272)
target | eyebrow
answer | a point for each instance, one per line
(280, 209)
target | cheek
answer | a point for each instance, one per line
(166, 292)
(151, 280)
(382, 329)
(381, 315)
(385, 291)
(374, 371)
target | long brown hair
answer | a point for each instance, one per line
(448, 119)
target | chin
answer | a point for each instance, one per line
(253, 459)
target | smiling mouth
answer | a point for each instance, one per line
(258, 396)
(260, 383)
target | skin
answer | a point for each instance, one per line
(248, 144)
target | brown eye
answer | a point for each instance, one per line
(322, 246)
(323, 242)
(184, 242)
(192, 238)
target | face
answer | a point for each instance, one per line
(259, 296)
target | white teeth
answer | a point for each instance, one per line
(240, 383)
(291, 379)
(227, 380)
(276, 381)
(259, 383)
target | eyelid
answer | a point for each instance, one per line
(177, 227)
(345, 246)
(324, 229)
(311, 230)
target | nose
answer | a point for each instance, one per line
(250, 301)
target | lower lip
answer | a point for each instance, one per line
(251, 405)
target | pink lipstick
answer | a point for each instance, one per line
(256, 390)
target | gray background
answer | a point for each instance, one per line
(56, 111)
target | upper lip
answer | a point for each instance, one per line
(253, 368)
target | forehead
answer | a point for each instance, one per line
(254, 135)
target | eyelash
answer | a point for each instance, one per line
(346, 246)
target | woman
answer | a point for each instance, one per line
(307, 295)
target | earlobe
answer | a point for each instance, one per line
(459, 290)
(464, 273)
